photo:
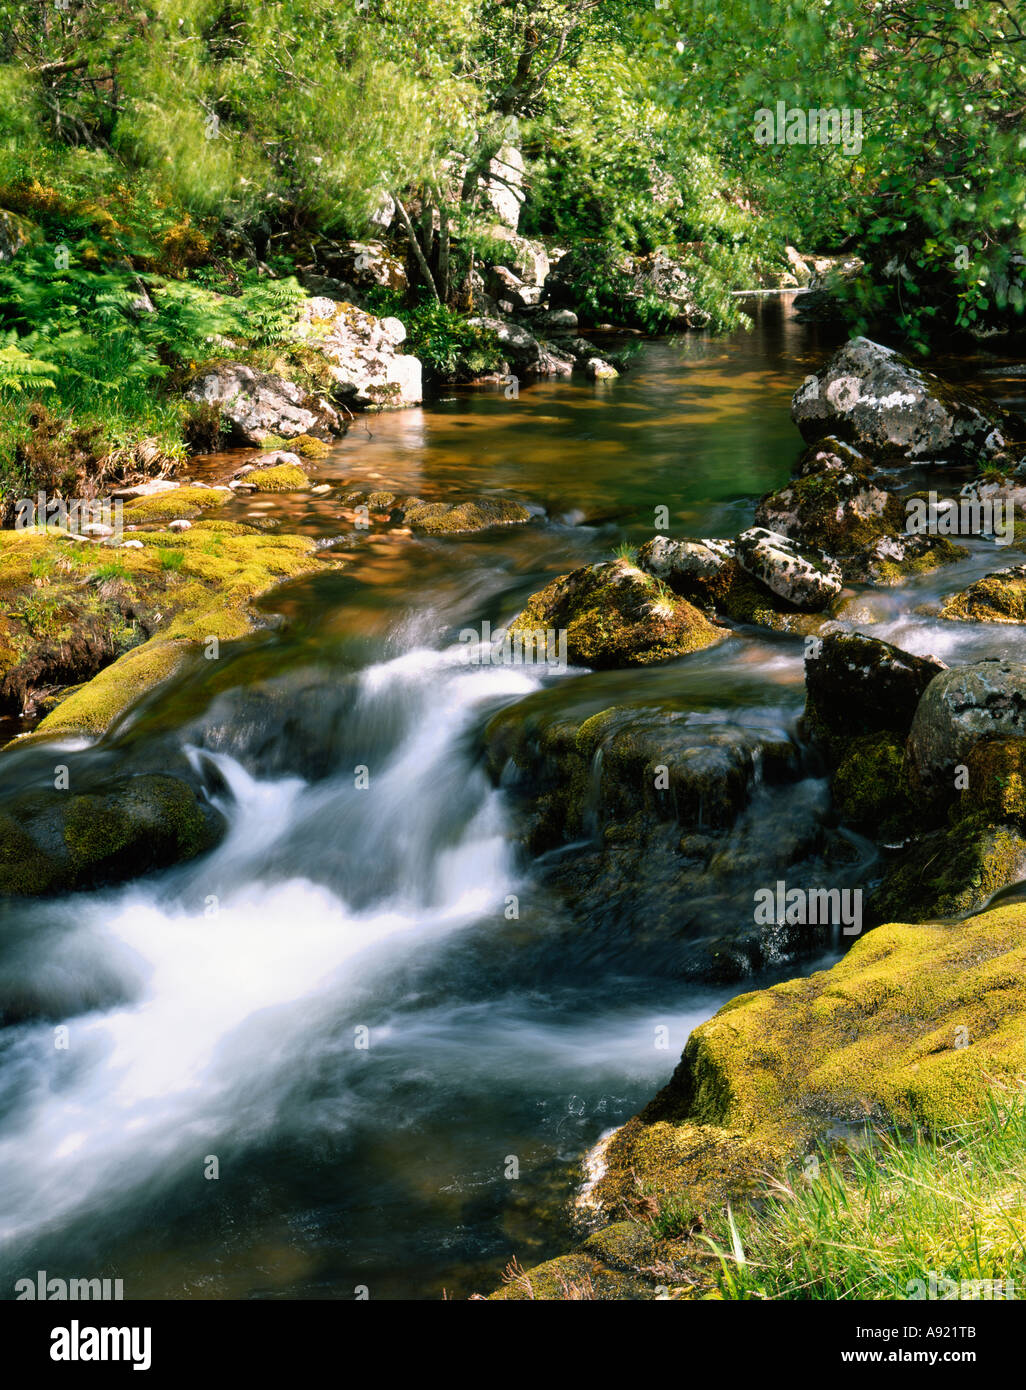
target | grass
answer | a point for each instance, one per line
(878, 1223)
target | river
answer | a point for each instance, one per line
(397, 1080)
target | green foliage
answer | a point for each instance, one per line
(932, 197)
(450, 348)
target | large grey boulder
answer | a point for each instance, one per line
(876, 399)
(961, 707)
(362, 354)
(257, 404)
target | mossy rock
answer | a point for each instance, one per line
(183, 504)
(176, 591)
(869, 788)
(460, 518)
(950, 872)
(616, 615)
(308, 446)
(286, 477)
(916, 1025)
(996, 598)
(60, 840)
(995, 776)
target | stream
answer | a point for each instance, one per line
(396, 1079)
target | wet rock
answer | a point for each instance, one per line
(257, 404)
(655, 825)
(996, 598)
(286, 477)
(270, 458)
(958, 709)
(55, 841)
(804, 577)
(894, 411)
(950, 872)
(859, 685)
(615, 614)
(457, 518)
(362, 354)
(600, 370)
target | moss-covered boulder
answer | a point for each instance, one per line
(144, 609)
(996, 598)
(915, 1024)
(950, 872)
(869, 787)
(857, 685)
(180, 504)
(53, 841)
(614, 614)
(838, 504)
(665, 824)
(285, 477)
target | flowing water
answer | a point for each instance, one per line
(397, 1078)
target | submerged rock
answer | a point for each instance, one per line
(615, 614)
(55, 841)
(894, 411)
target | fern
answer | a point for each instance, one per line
(20, 371)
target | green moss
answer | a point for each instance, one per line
(951, 871)
(868, 787)
(938, 553)
(615, 615)
(448, 519)
(308, 446)
(996, 782)
(286, 477)
(184, 503)
(208, 594)
(997, 598)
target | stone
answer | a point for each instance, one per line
(257, 403)
(893, 411)
(802, 576)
